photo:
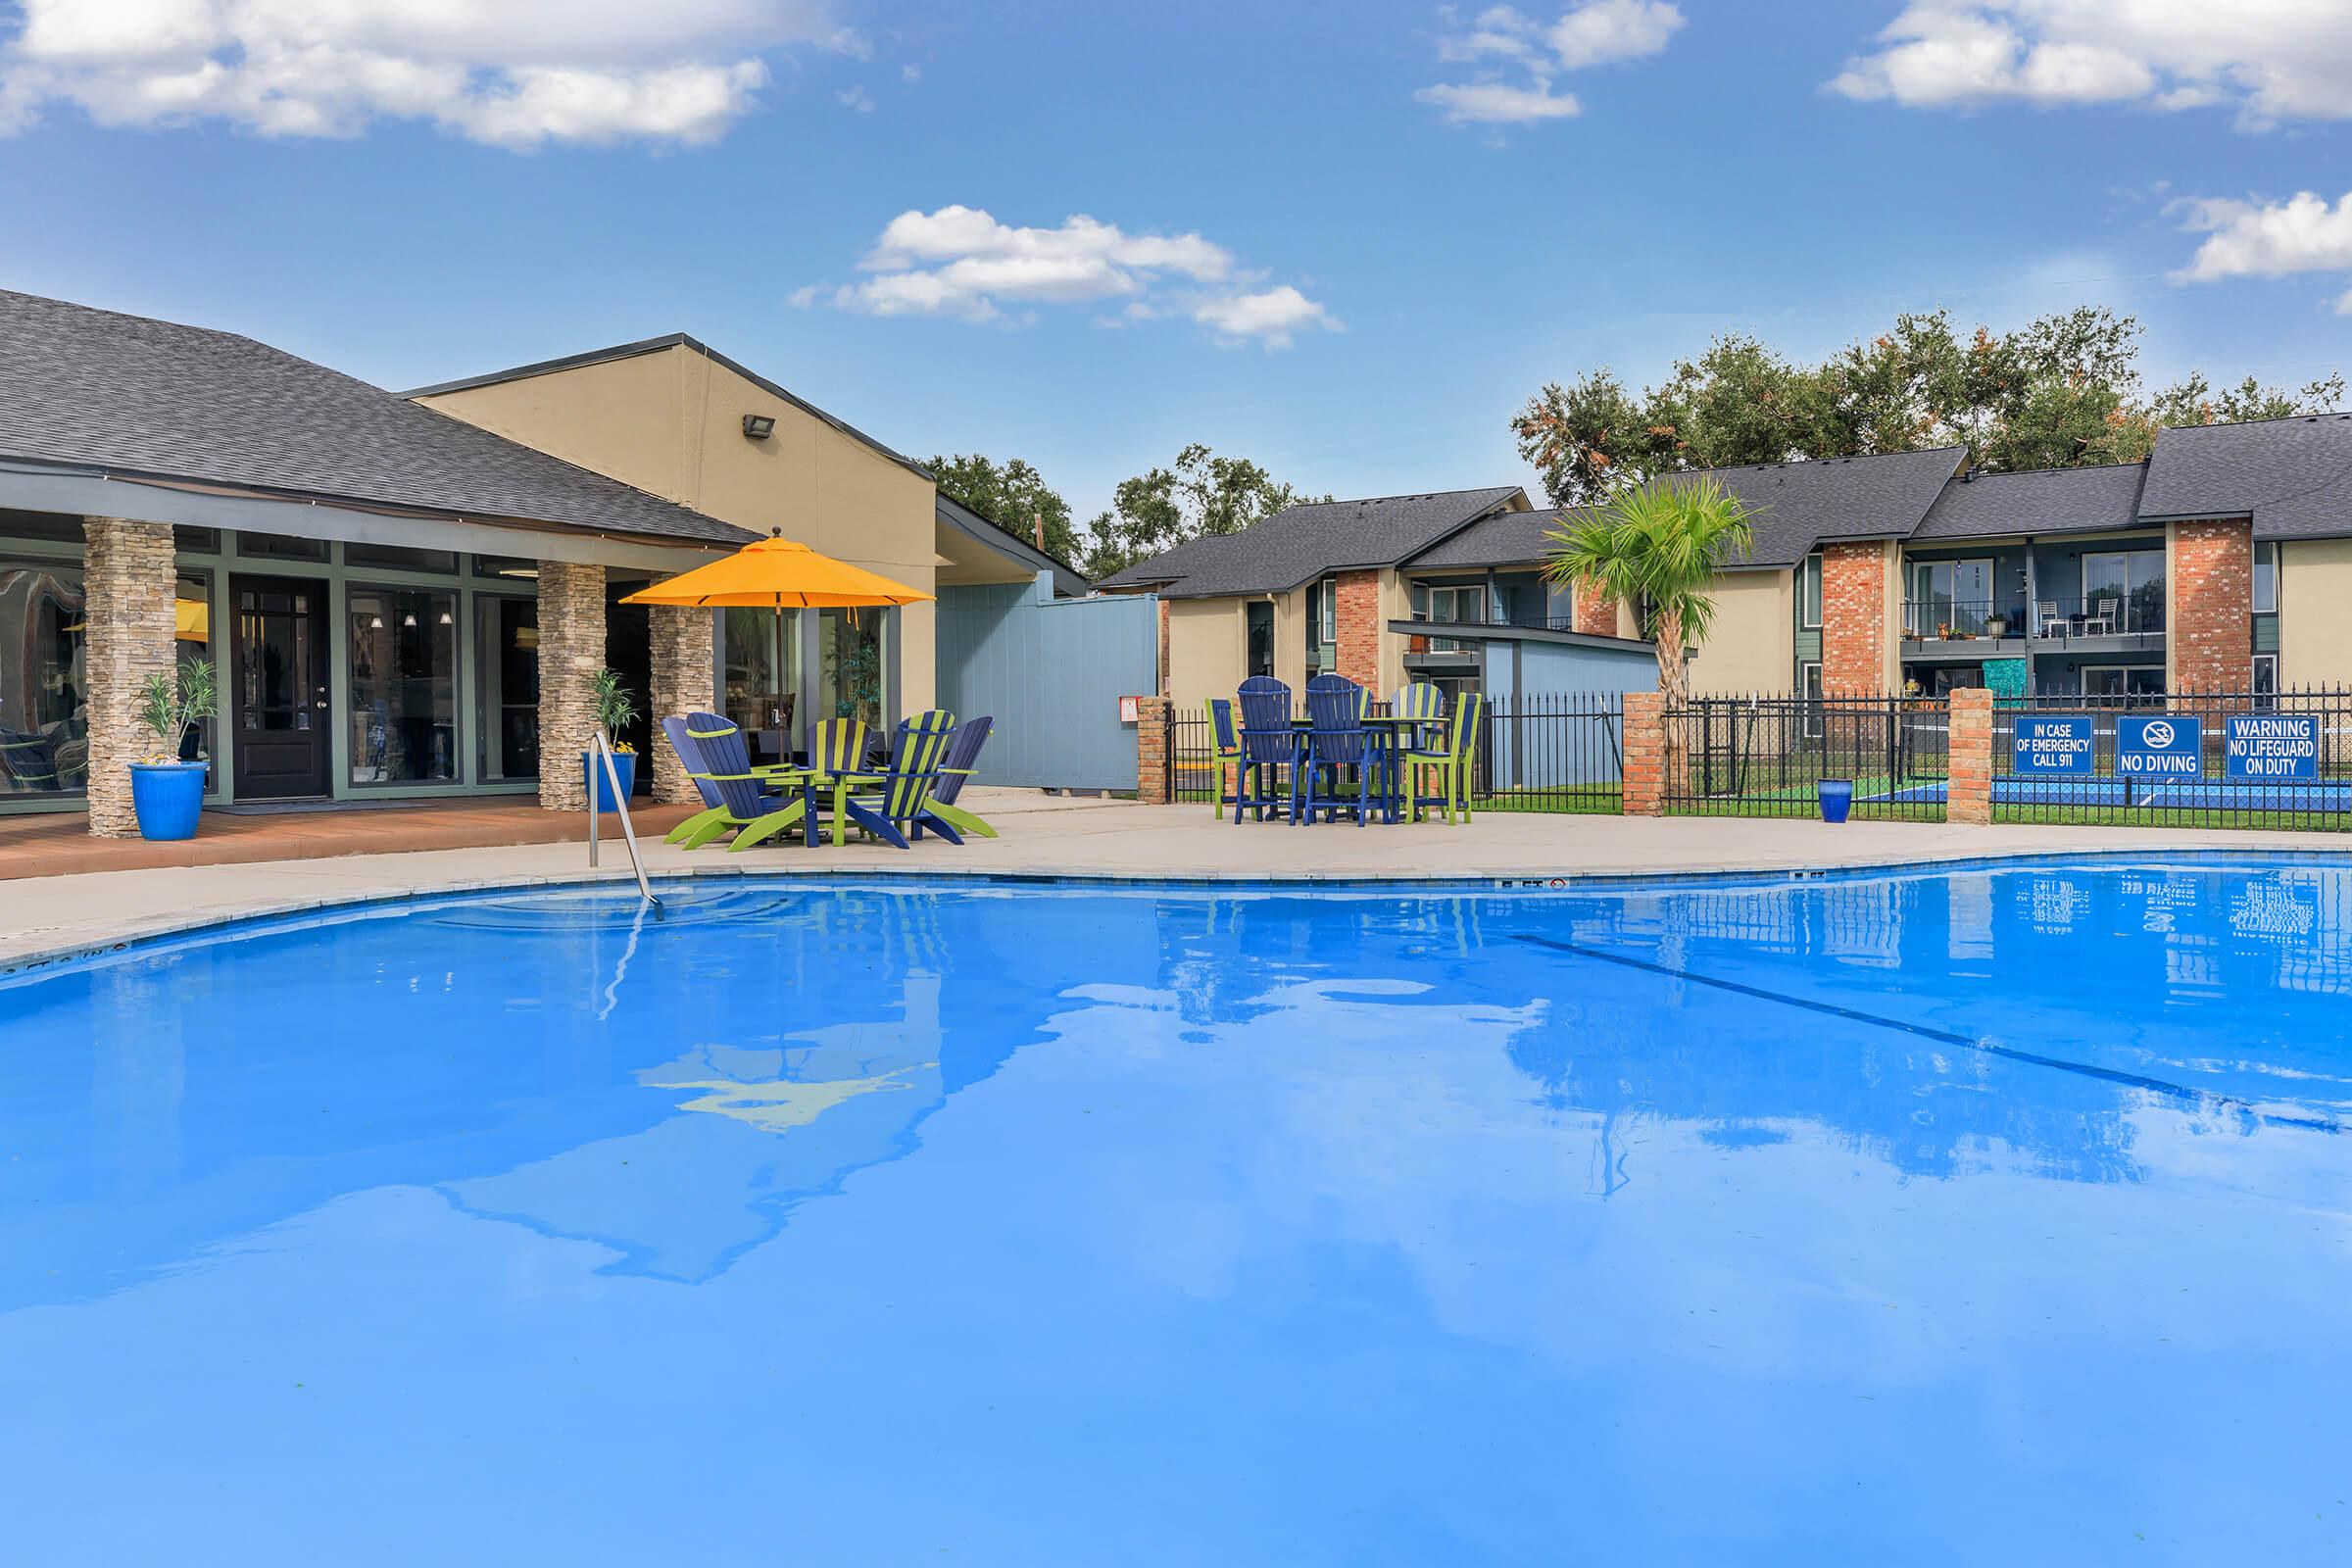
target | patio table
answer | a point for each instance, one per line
(1388, 742)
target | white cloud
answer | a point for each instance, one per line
(1600, 32)
(1270, 317)
(856, 98)
(515, 73)
(961, 262)
(2250, 239)
(1500, 103)
(2274, 59)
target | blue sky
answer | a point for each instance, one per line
(1348, 240)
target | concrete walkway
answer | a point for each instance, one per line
(47, 918)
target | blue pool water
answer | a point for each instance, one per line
(1996, 1216)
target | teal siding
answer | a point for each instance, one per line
(1050, 673)
(2265, 633)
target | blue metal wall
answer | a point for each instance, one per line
(1568, 727)
(1051, 673)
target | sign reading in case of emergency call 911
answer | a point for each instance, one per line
(2054, 745)
(2274, 745)
(2159, 745)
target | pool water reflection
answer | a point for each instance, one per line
(1992, 1215)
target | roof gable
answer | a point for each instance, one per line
(1301, 543)
(2292, 477)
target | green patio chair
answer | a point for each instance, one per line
(1451, 757)
(1227, 740)
(897, 803)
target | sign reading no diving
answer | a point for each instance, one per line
(2053, 746)
(2274, 745)
(2159, 745)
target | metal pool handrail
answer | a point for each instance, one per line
(603, 752)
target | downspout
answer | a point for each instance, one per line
(2032, 621)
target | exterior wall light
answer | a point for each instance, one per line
(758, 426)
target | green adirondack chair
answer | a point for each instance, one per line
(1450, 756)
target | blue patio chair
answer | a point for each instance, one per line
(690, 758)
(1269, 745)
(890, 804)
(1337, 739)
(954, 769)
(1227, 739)
(749, 809)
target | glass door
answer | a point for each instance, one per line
(278, 691)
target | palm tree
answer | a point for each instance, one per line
(1657, 546)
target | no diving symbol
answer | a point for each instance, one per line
(2156, 735)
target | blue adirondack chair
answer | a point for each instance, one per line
(887, 805)
(1227, 739)
(1337, 739)
(1269, 746)
(961, 760)
(747, 807)
(690, 759)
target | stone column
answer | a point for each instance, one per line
(1151, 750)
(1969, 793)
(127, 590)
(572, 650)
(685, 681)
(1645, 754)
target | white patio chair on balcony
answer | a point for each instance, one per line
(2046, 618)
(2102, 618)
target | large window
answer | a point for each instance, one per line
(192, 631)
(849, 666)
(505, 663)
(2125, 587)
(760, 653)
(44, 686)
(403, 686)
(1808, 591)
(2266, 577)
(1950, 598)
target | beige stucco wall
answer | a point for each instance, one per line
(671, 422)
(1751, 648)
(1290, 639)
(1209, 648)
(2314, 635)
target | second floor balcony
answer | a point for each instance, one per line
(1981, 628)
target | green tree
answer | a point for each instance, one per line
(1198, 494)
(1012, 495)
(1658, 545)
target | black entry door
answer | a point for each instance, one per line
(277, 688)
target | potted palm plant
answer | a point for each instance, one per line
(615, 711)
(166, 790)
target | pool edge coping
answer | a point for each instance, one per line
(165, 930)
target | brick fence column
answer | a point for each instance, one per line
(128, 591)
(1151, 750)
(572, 650)
(1356, 623)
(1645, 754)
(685, 681)
(1969, 793)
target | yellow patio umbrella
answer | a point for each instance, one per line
(779, 574)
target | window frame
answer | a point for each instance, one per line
(2266, 577)
(1809, 593)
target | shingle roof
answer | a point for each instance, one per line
(1299, 544)
(2292, 477)
(2042, 501)
(1797, 506)
(133, 395)
(1504, 539)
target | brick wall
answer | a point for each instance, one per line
(685, 680)
(1853, 618)
(1151, 750)
(1358, 627)
(127, 594)
(1968, 794)
(572, 650)
(2213, 605)
(1595, 612)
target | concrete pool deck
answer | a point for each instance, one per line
(46, 920)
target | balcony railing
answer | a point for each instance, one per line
(1962, 619)
(2096, 614)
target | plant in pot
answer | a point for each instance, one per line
(615, 711)
(1996, 626)
(166, 790)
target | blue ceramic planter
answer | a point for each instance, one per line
(1837, 798)
(167, 796)
(623, 763)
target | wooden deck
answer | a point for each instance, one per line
(60, 844)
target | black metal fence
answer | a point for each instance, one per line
(1561, 753)
(1769, 755)
(2239, 760)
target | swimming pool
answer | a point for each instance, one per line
(1997, 1214)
